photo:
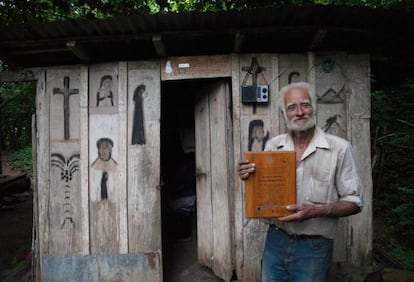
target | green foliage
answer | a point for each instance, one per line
(382, 110)
(406, 257)
(392, 131)
(399, 204)
(12, 11)
(22, 160)
(53, 10)
(17, 105)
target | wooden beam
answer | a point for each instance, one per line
(190, 67)
(77, 50)
(319, 36)
(38, 51)
(14, 184)
(238, 41)
(20, 75)
(159, 45)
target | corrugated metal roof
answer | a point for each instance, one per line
(276, 29)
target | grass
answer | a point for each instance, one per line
(385, 239)
(21, 160)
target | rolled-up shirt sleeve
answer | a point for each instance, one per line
(348, 181)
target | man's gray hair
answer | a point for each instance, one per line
(303, 85)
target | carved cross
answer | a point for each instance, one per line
(254, 69)
(66, 92)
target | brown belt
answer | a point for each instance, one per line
(273, 227)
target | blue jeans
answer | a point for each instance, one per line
(290, 259)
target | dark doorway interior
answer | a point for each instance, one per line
(178, 194)
(178, 160)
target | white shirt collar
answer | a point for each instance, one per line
(318, 141)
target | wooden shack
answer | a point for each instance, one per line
(121, 101)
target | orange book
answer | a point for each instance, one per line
(273, 184)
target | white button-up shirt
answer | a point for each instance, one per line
(327, 173)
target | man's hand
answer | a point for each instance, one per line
(245, 168)
(307, 211)
(302, 212)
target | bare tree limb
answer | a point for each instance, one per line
(405, 122)
(398, 146)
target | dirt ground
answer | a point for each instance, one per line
(16, 228)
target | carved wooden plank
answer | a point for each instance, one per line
(275, 73)
(293, 68)
(238, 187)
(196, 67)
(35, 215)
(122, 160)
(254, 232)
(41, 197)
(263, 76)
(63, 88)
(256, 125)
(219, 94)
(331, 88)
(332, 91)
(104, 155)
(66, 214)
(360, 114)
(213, 184)
(84, 161)
(203, 176)
(360, 234)
(107, 267)
(359, 76)
(144, 102)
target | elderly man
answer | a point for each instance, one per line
(299, 246)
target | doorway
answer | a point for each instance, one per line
(183, 249)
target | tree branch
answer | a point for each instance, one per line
(397, 146)
(405, 122)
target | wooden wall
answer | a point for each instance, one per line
(97, 130)
(99, 218)
(342, 84)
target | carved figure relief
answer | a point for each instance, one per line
(330, 97)
(330, 122)
(105, 163)
(66, 92)
(104, 95)
(67, 210)
(358, 130)
(331, 77)
(294, 76)
(254, 69)
(138, 130)
(257, 137)
(104, 185)
(67, 167)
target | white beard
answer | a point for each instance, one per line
(310, 123)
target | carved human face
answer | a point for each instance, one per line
(105, 151)
(107, 83)
(258, 133)
(298, 110)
